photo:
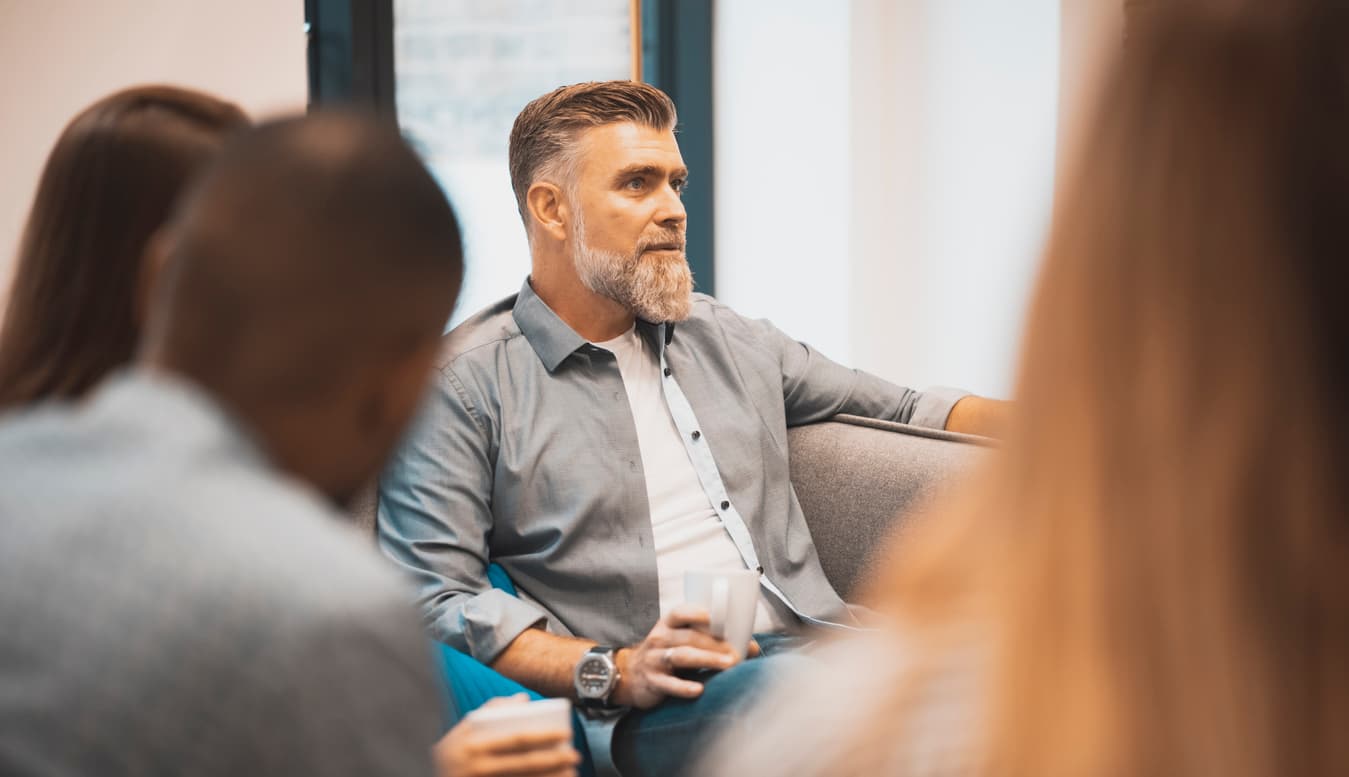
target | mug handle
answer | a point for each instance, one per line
(721, 600)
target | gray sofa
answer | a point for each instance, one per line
(856, 480)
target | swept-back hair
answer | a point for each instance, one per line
(544, 135)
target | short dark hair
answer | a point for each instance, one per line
(110, 181)
(313, 245)
(547, 127)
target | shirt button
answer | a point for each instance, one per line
(667, 372)
(725, 505)
(697, 434)
(617, 395)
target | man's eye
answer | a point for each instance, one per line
(679, 185)
(635, 184)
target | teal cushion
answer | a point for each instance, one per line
(499, 579)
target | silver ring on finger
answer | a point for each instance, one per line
(668, 658)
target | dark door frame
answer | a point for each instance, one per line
(677, 58)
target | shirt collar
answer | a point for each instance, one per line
(553, 340)
(548, 335)
(656, 335)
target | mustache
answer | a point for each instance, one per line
(667, 240)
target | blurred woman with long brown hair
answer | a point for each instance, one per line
(1150, 578)
(109, 183)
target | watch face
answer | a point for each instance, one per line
(593, 678)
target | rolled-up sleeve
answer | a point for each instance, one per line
(816, 388)
(933, 406)
(435, 520)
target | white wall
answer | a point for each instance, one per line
(781, 105)
(58, 56)
(884, 176)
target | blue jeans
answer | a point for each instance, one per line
(668, 739)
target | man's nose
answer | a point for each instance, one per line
(671, 209)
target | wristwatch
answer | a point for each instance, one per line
(595, 678)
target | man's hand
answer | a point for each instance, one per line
(467, 751)
(679, 641)
(979, 415)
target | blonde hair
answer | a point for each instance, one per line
(1157, 561)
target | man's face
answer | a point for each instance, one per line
(628, 224)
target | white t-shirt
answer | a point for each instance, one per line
(687, 530)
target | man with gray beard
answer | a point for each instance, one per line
(605, 430)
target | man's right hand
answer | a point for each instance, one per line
(679, 641)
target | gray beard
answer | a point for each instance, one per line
(655, 289)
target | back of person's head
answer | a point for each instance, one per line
(110, 181)
(307, 280)
(1159, 554)
(543, 137)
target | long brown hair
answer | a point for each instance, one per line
(1159, 561)
(109, 183)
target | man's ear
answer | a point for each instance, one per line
(548, 209)
(153, 259)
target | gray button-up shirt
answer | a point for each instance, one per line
(526, 455)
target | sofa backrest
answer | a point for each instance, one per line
(858, 479)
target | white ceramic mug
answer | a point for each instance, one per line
(535, 717)
(731, 599)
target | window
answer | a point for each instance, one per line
(463, 70)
